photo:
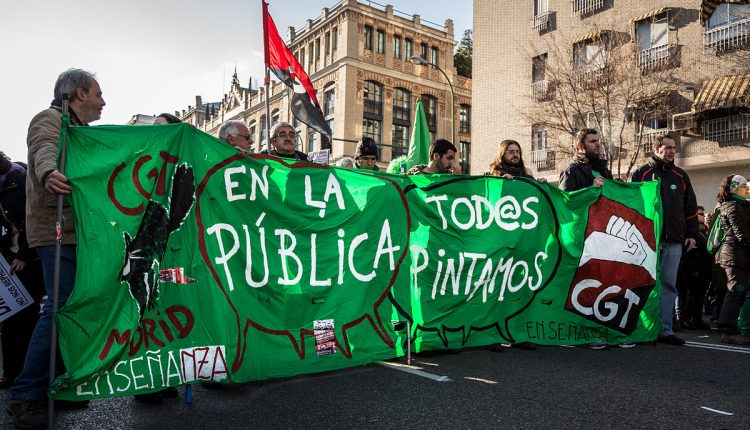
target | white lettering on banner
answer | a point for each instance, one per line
(505, 212)
(516, 274)
(612, 308)
(256, 182)
(332, 188)
(350, 259)
(146, 372)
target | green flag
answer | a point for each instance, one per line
(419, 145)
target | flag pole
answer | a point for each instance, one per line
(268, 109)
(56, 277)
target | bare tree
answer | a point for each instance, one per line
(603, 80)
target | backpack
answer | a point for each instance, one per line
(716, 235)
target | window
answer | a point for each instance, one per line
(409, 48)
(728, 13)
(263, 132)
(464, 116)
(435, 54)
(541, 7)
(274, 116)
(381, 42)
(430, 110)
(400, 140)
(372, 128)
(329, 96)
(334, 38)
(396, 46)
(301, 57)
(588, 120)
(539, 77)
(401, 106)
(423, 51)
(465, 157)
(540, 21)
(542, 158)
(368, 37)
(373, 97)
(317, 49)
(312, 140)
(652, 32)
(728, 27)
(311, 57)
(589, 54)
(252, 128)
(328, 42)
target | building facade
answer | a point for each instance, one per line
(357, 56)
(632, 69)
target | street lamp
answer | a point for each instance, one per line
(416, 59)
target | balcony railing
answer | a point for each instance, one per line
(727, 129)
(647, 139)
(541, 22)
(585, 7)
(543, 160)
(590, 78)
(657, 57)
(727, 37)
(540, 89)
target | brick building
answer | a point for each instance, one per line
(691, 55)
(357, 57)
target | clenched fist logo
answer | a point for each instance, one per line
(617, 269)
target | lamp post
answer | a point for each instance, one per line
(416, 59)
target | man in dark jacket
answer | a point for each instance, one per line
(586, 168)
(680, 226)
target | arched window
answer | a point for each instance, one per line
(430, 109)
(372, 116)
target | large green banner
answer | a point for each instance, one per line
(197, 263)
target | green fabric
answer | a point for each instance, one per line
(198, 263)
(419, 145)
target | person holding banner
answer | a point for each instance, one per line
(508, 162)
(734, 257)
(23, 261)
(284, 142)
(586, 168)
(44, 182)
(442, 158)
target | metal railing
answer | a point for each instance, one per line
(656, 57)
(543, 160)
(540, 89)
(585, 7)
(590, 77)
(727, 129)
(647, 136)
(730, 36)
(540, 22)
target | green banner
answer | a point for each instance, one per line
(197, 263)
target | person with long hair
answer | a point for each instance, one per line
(734, 257)
(508, 161)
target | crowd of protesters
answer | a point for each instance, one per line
(694, 281)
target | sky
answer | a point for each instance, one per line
(149, 56)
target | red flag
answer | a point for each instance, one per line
(280, 60)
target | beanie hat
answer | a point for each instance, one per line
(366, 146)
(737, 181)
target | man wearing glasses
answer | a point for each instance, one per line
(236, 134)
(284, 142)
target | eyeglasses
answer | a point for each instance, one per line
(290, 134)
(245, 136)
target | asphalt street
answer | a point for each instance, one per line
(703, 385)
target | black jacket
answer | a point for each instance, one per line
(679, 207)
(13, 206)
(580, 173)
(735, 249)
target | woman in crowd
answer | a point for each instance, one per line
(734, 257)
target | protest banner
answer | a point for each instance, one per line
(197, 263)
(13, 295)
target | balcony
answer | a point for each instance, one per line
(541, 22)
(731, 36)
(590, 78)
(657, 57)
(543, 160)
(540, 89)
(648, 136)
(586, 7)
(728, 129)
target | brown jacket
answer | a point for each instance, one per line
(44, 133)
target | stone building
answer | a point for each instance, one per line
(687, 62)
(357, 56)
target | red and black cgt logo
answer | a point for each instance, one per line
(617, 270)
